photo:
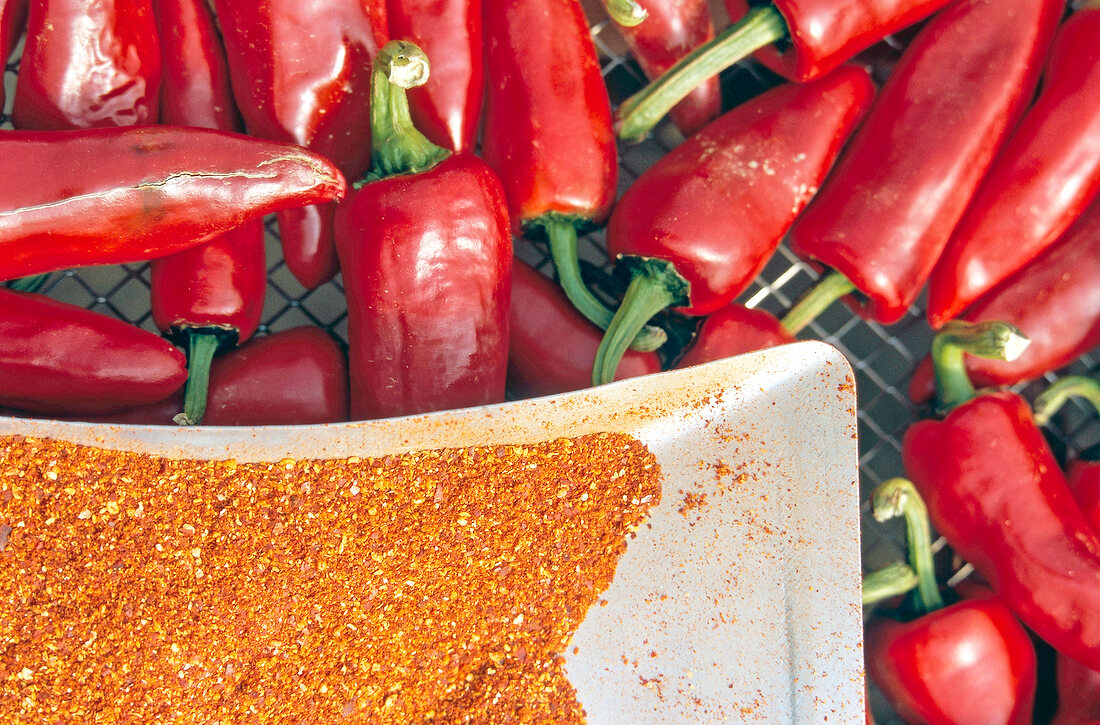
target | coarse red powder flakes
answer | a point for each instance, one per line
(437, 586)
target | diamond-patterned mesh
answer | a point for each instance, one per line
(883, 358)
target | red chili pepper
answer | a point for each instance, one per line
(426, 256)
(1055, 301)
(1045, 177)
(888, 208)
(1078, 693)
(248, 385)
(87, 65)
(996, 492)
(548, 129)
(446, 109)
(672, 29)
(117, 195)
(700, 224)
(1084, 481)
(551, 345)
(733, 330)
(211, 296)
(59, 357)
(301, 73)
(975, 647)
(812, 37)
(13, 21)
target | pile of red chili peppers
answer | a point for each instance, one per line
(407, 145)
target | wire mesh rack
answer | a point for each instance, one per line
(883, 358)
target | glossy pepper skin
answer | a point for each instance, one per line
(718, 204)
(88, 65)
(13, 20)
(672, 29)
(888, 209)
(1054, 300)
(551, 345)
(825, 33)
(116, 195)
(249, 385)
(547, 116)
(301, 73)
(1046, 176)
(426, 260)
(734, 330)
(967, 664)
(59, 357)
(1084, 481)
(996, 492)
(446, 109)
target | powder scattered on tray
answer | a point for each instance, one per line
(437, 586)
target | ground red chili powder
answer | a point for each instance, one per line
(438, 586)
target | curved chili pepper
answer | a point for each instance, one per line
(426, 256)
(1078, 693)
(734, 330)
(446, 109)
(301, 73)
(548, 129)
(59, 357)
(1046, 176)
(13, 21)
(811, 37)
(700, 224)
(249, 385)
(997, 493)
(1055, 301)
(116, 195)
(211, 296)
(87, 65)
(671, 30)
(551, 345)
(888, 208)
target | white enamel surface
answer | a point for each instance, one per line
(740, 607)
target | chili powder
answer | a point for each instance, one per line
(436, 586)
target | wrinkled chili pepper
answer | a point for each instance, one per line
(734, 330)
(548, 129)
(59, 357)
(697, 227)
(426, 256)
(551, 345)
(811, 37)
(997, 493)
(887, 210)
(208, 297)
(1055, 301)
(293, 377)
(117, 195)
(1046, 176)
(301, 72)
(87, 65)
(446, 109)
(975, 647)
(671, 30)
(13, 21)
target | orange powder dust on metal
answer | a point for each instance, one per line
(438, 586)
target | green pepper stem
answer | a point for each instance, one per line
(1051, 400)
(626, 13)
(562, 236)
(29, 284)
(654, 285)
(202, 345)
(816, 300)
(397, 147)
(641, 112)
(898, 497)
(893, 581)
(990, 339)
